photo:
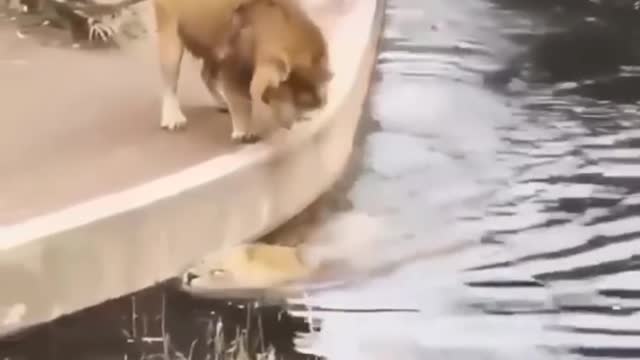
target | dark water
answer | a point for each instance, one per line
(161, 321)
(510, 123)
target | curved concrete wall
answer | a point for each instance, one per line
(115, 244)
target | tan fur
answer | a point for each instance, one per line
(199, 26)
(221, 32)
(249, 266)
(287, 54)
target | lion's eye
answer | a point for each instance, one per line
(217, 272)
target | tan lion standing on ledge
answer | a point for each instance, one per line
(275, 55)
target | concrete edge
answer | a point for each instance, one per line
(116, 244)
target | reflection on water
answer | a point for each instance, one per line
(539, 169)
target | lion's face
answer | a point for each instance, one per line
(247, 267)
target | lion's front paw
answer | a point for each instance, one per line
(175, 122)
(245, 137)
(172, 116)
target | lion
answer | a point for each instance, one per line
(309, 254)
(258, 56)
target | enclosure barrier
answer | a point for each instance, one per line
(97, 202)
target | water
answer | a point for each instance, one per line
(542, 167)
(539, 173)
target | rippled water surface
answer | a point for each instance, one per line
(541, 168)
(536, 169)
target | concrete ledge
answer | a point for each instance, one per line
(79, 254)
